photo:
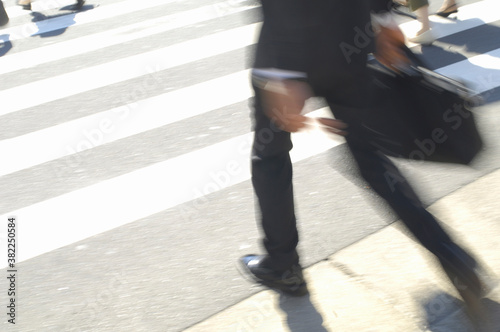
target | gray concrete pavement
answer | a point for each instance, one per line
(384, 282)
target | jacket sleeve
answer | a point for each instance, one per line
(282, 38)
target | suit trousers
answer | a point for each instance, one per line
(272, 182)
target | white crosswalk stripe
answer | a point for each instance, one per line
(119, 35)
(192, 173)
(60, 22)
(44, 91)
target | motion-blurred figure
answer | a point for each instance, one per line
(425, 35)
(310, 48)
(26, 4)
(4, 18)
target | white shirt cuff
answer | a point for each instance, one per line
(278, 74)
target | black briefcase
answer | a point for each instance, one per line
(419, 114)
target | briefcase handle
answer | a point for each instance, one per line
(408, 69)
(420, 69)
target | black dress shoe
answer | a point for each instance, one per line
(289, 281)
(473, 282)
(448, 11)
(462, 270)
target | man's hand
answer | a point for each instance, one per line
(388, 47)
(283, 103)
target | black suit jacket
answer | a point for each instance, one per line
(327, 39)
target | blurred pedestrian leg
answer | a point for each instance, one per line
(26, 4)
(424, 36)
(4, 18)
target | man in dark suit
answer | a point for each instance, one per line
(313, 47)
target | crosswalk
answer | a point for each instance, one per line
(129, 108)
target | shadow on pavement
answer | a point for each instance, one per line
(5, 44)
(444, 312)
(301, 315)
(68, 13)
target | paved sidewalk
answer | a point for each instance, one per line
(385, 282)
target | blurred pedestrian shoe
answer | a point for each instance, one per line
(448, 10)
(289, 281)
(4, 18)
(424, 38)
(464, 273)
(79, 4)
(26, 4)
(460, 268)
